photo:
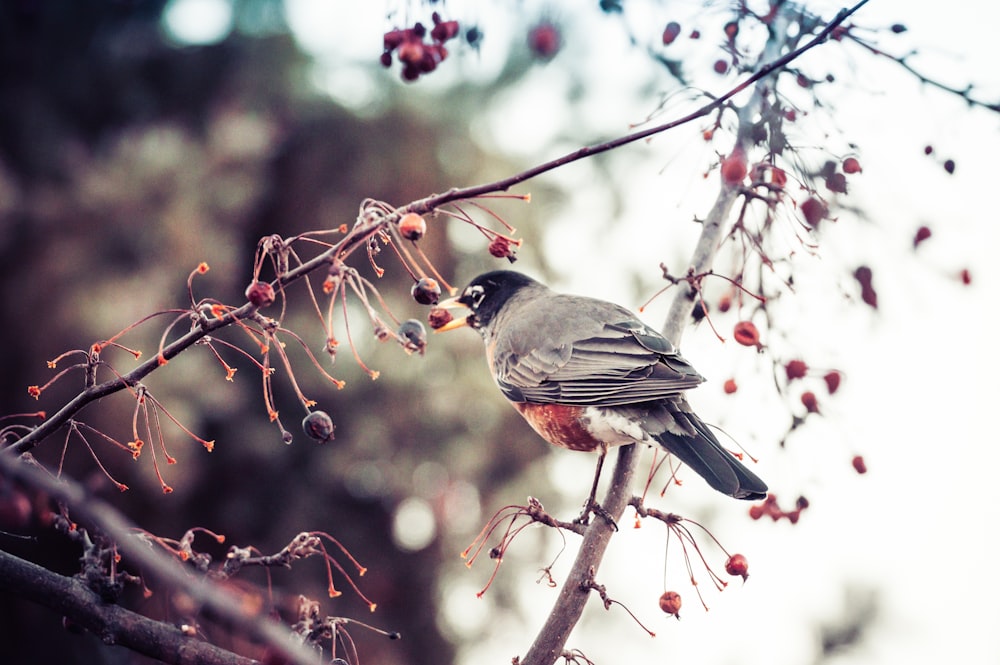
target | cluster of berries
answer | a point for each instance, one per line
(418, 55)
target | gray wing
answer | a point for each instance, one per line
(596, 354)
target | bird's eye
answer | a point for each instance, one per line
(473, 296)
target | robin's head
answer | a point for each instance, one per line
(485, 296)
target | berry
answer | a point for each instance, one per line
(444, 31)
(745, 333)
(725, 302)
(412, 226)
(858, 462)
(438, 317)
(949, 165)
(414, 336)
(923, 233)
(732, 29)
(426, 291)
(502, 248)
(851, 165)
(729, 387)
(260, 294)
(670, 603)
(720, 67)
(671, 32)
(544, 40)
(795, 369)
(809, 401)
(734, 167)
(832, 379)
(699, 311)
(737, 566)
(814, 211)
(837, 182)
(318, 426)
(868, 295)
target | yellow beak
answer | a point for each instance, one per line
(458, 321)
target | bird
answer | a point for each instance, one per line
(588, 375)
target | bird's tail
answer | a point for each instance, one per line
(675, 427)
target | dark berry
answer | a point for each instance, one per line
(426, 291)
(318, 426)
(414, 336)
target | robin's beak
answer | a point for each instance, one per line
(458, 321)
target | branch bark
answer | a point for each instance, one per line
(214, 602)
(111, 623)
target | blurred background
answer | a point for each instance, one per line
(140, 138)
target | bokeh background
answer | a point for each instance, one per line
(139, 138)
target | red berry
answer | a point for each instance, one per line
(411, 52)
(732, 29)
(923, 233)
(725, 302)
(426, 291)
(836, 182)
(260, 294)
(868, 295)
(795, 369)
(729, 387)
(734, 167)
(965, 276)
(858, 462)
(720, 67)
(814, 211)
(745, 333)
(670, 603)
(318, 426)
(671, 32)
(392, 39)
(444, 31)
(851, 165)
(544, 40)
(832, 379)
(503, 248)
(412, 226)
(438, 317)
(737, 566)
(810, 402)
(695, 34)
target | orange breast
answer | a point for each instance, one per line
(560, 425)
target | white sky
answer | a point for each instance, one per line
(921, 528)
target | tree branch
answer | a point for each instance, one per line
(551, 640)
(212, 600)
(112, 624)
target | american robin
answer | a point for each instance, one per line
(588, 374)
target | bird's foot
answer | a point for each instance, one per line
(593, 507)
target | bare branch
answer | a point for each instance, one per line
(111, 623)
(213, 601)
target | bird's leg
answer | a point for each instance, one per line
(592, 506)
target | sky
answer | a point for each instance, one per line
(918, 532)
